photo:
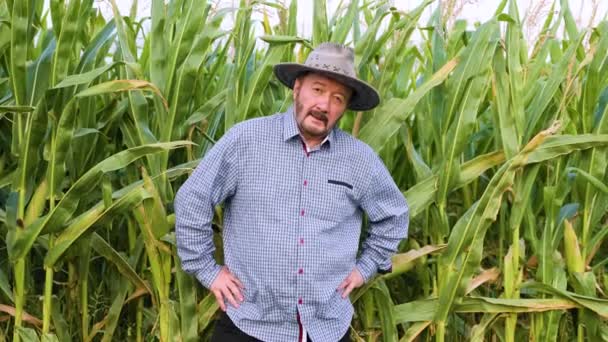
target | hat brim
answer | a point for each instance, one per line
(364, 97)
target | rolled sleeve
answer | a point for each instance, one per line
(388, 215)
(213, 181)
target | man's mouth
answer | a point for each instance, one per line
(319, 116)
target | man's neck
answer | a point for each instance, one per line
(312, 142)
(315, 145)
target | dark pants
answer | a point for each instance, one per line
(226, 331)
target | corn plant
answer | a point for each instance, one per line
(498, 144)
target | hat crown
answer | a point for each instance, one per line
(333, 57)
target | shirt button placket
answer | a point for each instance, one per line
(302, 226)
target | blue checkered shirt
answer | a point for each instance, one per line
(292, 222)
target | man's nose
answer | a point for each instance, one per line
(323, 104)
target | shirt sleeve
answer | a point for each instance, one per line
(388, 215)
(212, 182)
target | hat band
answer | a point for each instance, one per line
(331, 63)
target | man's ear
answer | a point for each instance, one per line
(296, 87)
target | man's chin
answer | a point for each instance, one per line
(318, 133)
(316, 127)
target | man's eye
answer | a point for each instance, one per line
(316, 90)
(339, 99)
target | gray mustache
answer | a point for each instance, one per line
(319, 115)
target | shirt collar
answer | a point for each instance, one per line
(290, 128)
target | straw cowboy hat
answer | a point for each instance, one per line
(337, 62)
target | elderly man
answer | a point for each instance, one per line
(294, 188)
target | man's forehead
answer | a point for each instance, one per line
(314, 77)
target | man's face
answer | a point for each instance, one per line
(319, 103)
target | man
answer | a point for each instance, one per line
(294, 189)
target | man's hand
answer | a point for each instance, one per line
(227, 287)
(354, 280)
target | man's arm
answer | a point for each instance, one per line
(388, 215)
(213, 181)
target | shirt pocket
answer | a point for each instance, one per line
(335, 200)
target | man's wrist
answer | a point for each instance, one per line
(366, 268)
(207, 277)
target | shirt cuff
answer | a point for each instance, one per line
(367, 268)
(206, 277)
(386, 267)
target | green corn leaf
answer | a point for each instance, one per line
(393, 114)
(187, 305)
(186, 78)
(195, 14)
(28, 334)
(320, 31)
(37, 203)
(345, 23)
(258, 82)
(405, 261)
(6, 287)
(597, 305)
(424, 310)
(206, 110)
(137, 103)
(385, 312)
(541, 100)
(279, 39)
(104, 249)
(19, 244)
(96, 47)
(65, 42)
(39, 74)
(465, 93)
(49, 338)
(87, 77)
(206, 310)
(556, 146)
(112, 318)
(90, 218)
(59, 322)
(29, 155)
(463, 253)
(423, 194)
(159, 45)
(60, 144)
(598, 184)
(16, 109)
(414, 330)
(503, 107)
(120, 86)
(20, 38)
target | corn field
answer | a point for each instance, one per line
(498, 143)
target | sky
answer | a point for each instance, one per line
(586, 12)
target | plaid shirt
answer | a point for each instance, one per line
(292, 223)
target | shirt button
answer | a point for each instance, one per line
(305, 182)
(301, 241)
(301, 271)
(300, 301)
(302, 212)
